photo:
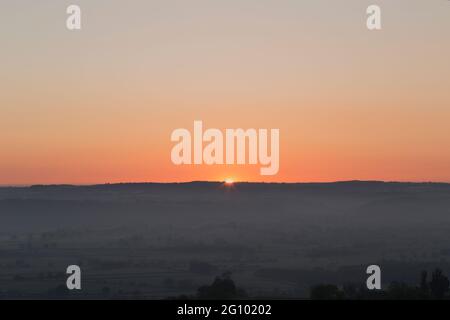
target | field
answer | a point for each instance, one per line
(154, 241)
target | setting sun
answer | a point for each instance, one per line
(229, 181)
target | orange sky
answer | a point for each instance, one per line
(99, 105)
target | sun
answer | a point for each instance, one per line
(229, 181)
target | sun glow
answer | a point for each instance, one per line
(229, 181)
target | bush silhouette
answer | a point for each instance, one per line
(222, 288)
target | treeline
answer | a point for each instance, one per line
(435, 287)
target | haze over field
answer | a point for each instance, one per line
(160, 240)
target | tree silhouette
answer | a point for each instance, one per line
(222, 288)
(439, 284)
(436, 288)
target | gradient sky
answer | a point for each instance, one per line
(99, 105)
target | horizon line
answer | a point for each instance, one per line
(218, 182)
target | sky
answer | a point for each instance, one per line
(99, 105)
